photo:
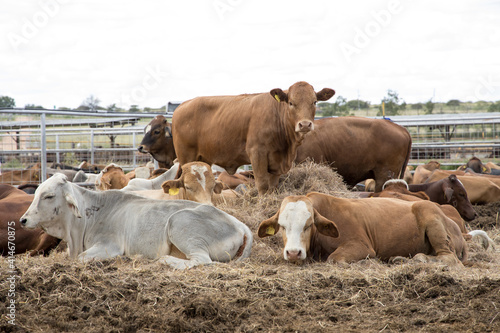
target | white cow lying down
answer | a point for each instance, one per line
(106, 224)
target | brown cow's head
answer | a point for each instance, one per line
(299, 220)
(197, 181)
(158, 141)
(456, 195)
(301, 100)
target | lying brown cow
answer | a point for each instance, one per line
(262, 129)
(158, 142)
(448, 191)
(18, 177)
(233, 181)
(423, 171)
(398, 189)
(111, 177)
(480, 189)
(13, 204)
(324, 227)
(359, 148)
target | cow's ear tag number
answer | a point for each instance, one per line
(270, 230)
(173, 191)
(277, 98)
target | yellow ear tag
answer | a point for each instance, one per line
(173, 191)
(277, 98)
(484, 169)
(270, 230)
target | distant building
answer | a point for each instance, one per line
(171, 106)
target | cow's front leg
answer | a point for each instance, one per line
(100, 251)
(260, 171)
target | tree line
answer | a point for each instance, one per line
(392, 104)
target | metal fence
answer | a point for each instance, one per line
(47, 137)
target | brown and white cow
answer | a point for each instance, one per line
(323, 227)
(197, 183)
(158, 142)
(13, 204)
(262, 129)
(357, 150)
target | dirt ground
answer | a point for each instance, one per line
(263, 292)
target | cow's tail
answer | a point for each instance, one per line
(486, 241)
(246, 247)
(408, 154)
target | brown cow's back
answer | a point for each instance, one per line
(358, 148)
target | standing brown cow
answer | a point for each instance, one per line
(359, 148)
(158, 142)
(262, 129)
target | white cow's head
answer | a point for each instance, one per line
(52, 206)
(301, 99)
(299, 220)
(197, 182)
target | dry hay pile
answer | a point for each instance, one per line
(262, 293)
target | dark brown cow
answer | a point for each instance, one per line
(448, 191)
(262, 129)
(13, 204)
(359, 148)
(398, 189)
(475, 165)
(346, 230)
(158, 142)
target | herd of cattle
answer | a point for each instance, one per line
(170, 213)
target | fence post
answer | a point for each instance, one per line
(91, 146)
(58, 158)
(43, 140)
(134, 159)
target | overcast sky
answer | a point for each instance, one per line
(58, 52)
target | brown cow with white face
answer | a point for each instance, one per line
(158, 142)
(359, 148)
(323, 227)
(262, 129)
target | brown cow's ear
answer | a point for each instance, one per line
(325, 226)
(269, 227)
(325, 94)
(279, 95)
(172, 187)
(218, 187)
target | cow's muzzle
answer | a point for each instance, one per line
(293, 255)
(141, 149)
(304, 126)
(23, 221)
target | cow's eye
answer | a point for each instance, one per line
(307, 227)
(157, 132)
(315, 102)
(291, 104)
(50, 196)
